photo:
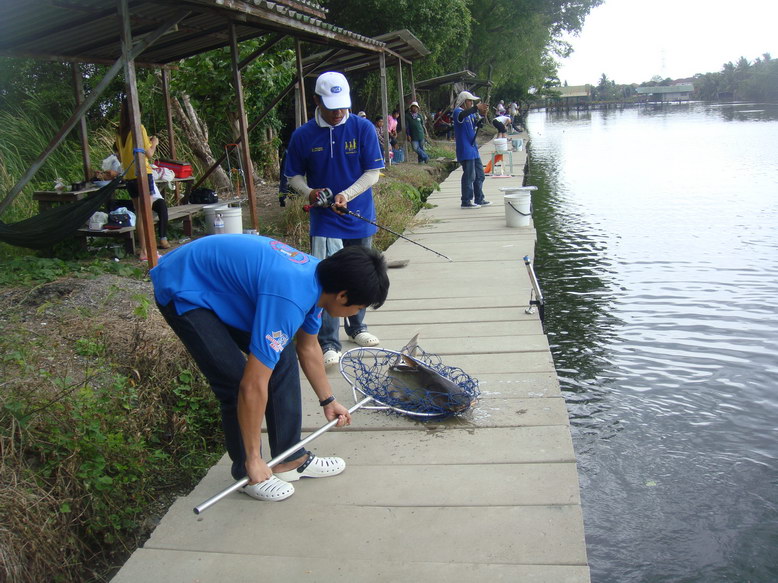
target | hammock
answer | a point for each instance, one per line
(58, 223)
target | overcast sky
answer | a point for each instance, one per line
(633, 40)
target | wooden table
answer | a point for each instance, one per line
(48, 198)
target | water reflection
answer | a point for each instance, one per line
(656, 252)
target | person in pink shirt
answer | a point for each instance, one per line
(391, 126)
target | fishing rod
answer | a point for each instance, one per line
(325, 198)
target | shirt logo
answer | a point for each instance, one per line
(277, 340)
(351, 146)
(290, 253)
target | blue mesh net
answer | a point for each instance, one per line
(420, 385)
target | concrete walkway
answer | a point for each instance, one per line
(489, 496)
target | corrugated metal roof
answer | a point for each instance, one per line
(88, 30)
(466, 77)
(400, 44)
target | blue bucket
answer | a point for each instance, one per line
(399, 155)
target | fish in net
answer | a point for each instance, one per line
(411, 382)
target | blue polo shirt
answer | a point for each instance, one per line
(251, 283)
(334, 158)
(464, 134)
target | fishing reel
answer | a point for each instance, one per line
(324, 198)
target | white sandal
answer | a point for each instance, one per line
(271, 490)
(314, 467)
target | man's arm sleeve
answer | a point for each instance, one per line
(368, 179)
(298, 183)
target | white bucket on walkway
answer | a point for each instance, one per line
(232, 216)
(501, 144)
(518, 205)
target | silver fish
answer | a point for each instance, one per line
(413, 381)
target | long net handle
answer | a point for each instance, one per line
(276, 460)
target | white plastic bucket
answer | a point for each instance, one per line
(233, 220)
(232, 216)
(518, 206)
(501, 144)
(210, 212)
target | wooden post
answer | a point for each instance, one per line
(78, 87)
(300, 81)
(243, 124)
(143, 222)
(400, 105)
(171, 136)
(385, 106)
(489, 86)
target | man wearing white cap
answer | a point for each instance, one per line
(467, 119)
(414, 127)
(339, 151)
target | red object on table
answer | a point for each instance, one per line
(180, 169)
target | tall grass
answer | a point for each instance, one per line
(27, 131)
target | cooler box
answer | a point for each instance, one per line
(180, 169)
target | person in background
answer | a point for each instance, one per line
(443, 124)
(246, 308)
(500, 108)
(338, 151)
(379, 130)
(362, 114)
(502, 123)
(414, 127)
(468, 118)
(391, 127)
(125, 147)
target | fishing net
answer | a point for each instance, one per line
(408, 385)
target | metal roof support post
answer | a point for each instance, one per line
(146, 225)
(298, 53)
(78, 88)
(248, 167)
(413, 84)
(171, 136)
(384, 106)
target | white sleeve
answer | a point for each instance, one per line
(368, 179)
(297, 182)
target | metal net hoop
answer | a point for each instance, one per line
(368, 371)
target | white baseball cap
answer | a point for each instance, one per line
(416, 103)
(333, 90)
(466, 95)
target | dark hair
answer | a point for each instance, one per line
(125, 122)
(357, 270)
(378, 118)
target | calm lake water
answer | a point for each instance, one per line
(658, 257)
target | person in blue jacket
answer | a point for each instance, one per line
(339, 151)
(246, 308)
(468, 118)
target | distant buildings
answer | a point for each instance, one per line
(661, 93)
